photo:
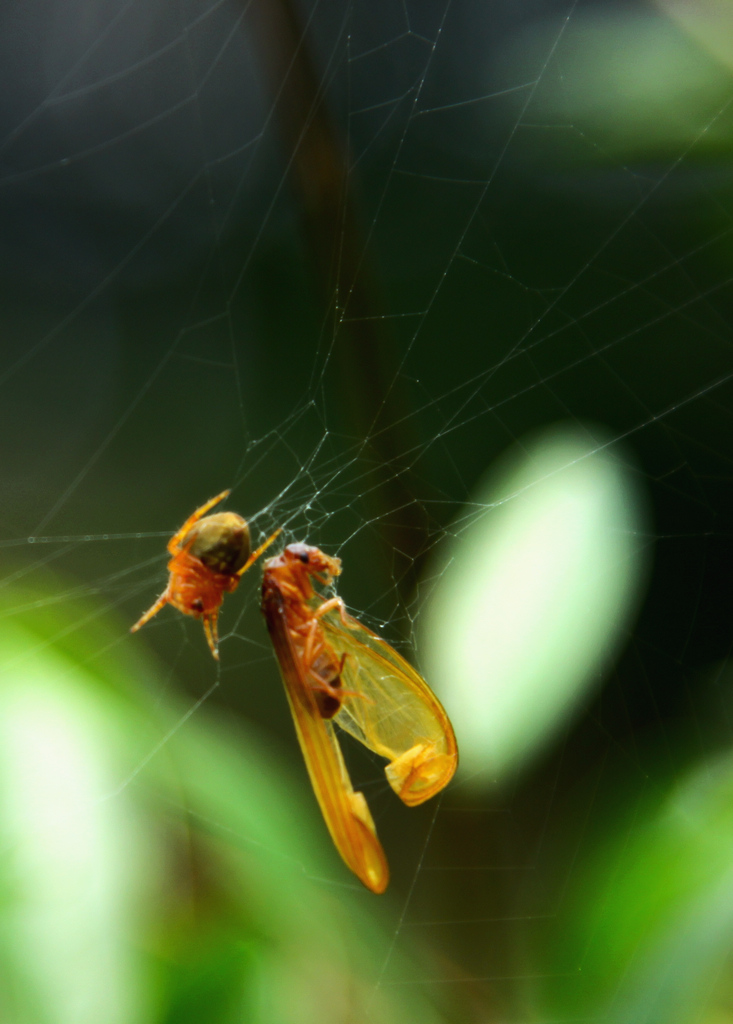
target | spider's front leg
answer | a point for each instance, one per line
(256, 554)
(174, 544)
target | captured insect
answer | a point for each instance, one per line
(337, 670)
(210, 556)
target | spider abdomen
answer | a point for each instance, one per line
(221, 542)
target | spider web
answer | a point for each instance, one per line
(339, 257)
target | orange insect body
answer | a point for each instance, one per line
(337, 670)
(287, 582)
(210, 555)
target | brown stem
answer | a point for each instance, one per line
(364, 345)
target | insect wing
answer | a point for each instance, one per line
(390, 709)
(345, 811)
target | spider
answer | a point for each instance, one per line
(210, 556)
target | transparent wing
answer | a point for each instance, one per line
(345, 811)
(390, 709)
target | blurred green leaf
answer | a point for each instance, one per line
(647, 929)
(533, 596)
(709, 22)
(631, 84)
(159, 866)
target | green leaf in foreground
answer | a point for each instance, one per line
(647, 931)
(159, 867)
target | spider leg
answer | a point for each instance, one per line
(153, 610)
(174, 544)
(256, 554)
(212, 633)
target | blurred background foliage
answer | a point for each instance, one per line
(443, 288)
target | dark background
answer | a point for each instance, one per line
(339, 257)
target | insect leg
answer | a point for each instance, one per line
(310, 640)
(321, 686)
(338, 692)
(327, 606)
